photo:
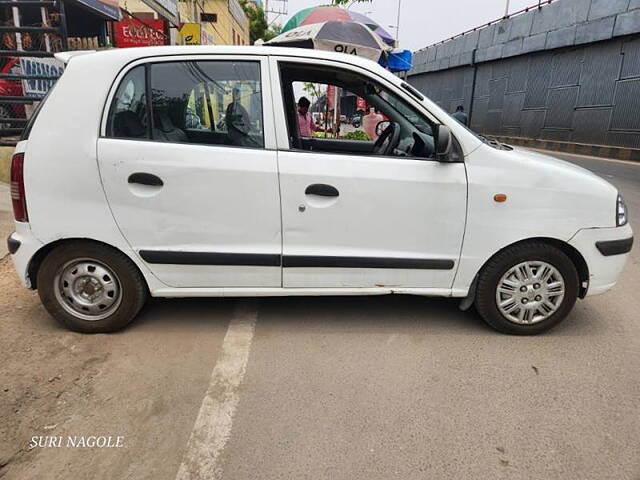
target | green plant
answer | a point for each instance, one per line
(313, 89)
(357, 135)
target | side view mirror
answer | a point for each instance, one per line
(382, 126)
(444, 142)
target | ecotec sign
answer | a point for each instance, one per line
(47, 67)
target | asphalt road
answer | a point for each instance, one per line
(329, 388)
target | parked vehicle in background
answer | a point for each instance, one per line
(141, 203)
(10, 88)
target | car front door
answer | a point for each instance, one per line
(191, 177)
(355, 219)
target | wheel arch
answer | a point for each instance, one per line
(36, 261)
(569, 250)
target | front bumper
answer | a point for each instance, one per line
(608, 248)
(606, 251)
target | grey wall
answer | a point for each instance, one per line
(563, 23)
(586, 93)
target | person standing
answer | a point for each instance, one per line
(306, 124)
(370, 123)
(461, 116)
(237, 121)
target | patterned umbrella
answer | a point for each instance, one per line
(353, 38)
(328, 13)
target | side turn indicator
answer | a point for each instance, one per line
(500, 197)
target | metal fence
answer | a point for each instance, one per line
(25, 75)
(588, 94)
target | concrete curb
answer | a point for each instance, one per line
(619, 153)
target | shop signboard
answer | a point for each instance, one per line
(167, 9)
(107, 8)
(191, 33)
(32, 66)
(206, 38)
(131, 32)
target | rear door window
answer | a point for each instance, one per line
(203, 102)
(217, 102)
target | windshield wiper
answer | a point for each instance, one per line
(494, 143)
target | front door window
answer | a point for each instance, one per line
(339, 111)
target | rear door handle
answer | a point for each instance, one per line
(146, 179)
(322, 190)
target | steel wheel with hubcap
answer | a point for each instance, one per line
(527, 288)
(530, 292)
(90, 287)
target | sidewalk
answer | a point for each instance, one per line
(6, 218)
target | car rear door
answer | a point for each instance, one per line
(358, 220)
(191, 177)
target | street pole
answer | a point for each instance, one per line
(398, 24)
(506, 10)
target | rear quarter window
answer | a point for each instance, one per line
(129, 111)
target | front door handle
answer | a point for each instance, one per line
(322, 190)
(145, 179)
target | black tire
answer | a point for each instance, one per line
(132, 287)
(488, 280)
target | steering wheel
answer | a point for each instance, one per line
(388, 140)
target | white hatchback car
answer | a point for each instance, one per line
(181, 172)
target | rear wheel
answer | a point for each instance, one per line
(527, 289)
(90, 288)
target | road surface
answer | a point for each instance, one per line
(327, 388)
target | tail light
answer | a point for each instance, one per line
(18, 197)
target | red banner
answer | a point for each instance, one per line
(331, 94)
(130, 32)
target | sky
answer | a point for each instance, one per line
(422, 22)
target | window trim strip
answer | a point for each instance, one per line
(291, 261)
(147, 94)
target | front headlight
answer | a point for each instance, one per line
(621, 212)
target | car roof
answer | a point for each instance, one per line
(126, 55)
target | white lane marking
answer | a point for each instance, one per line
(213, 425)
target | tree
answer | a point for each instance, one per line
(272, 31)
(313, 89)
(258, 26)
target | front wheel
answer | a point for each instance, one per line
(527, 289)
(90, 288)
